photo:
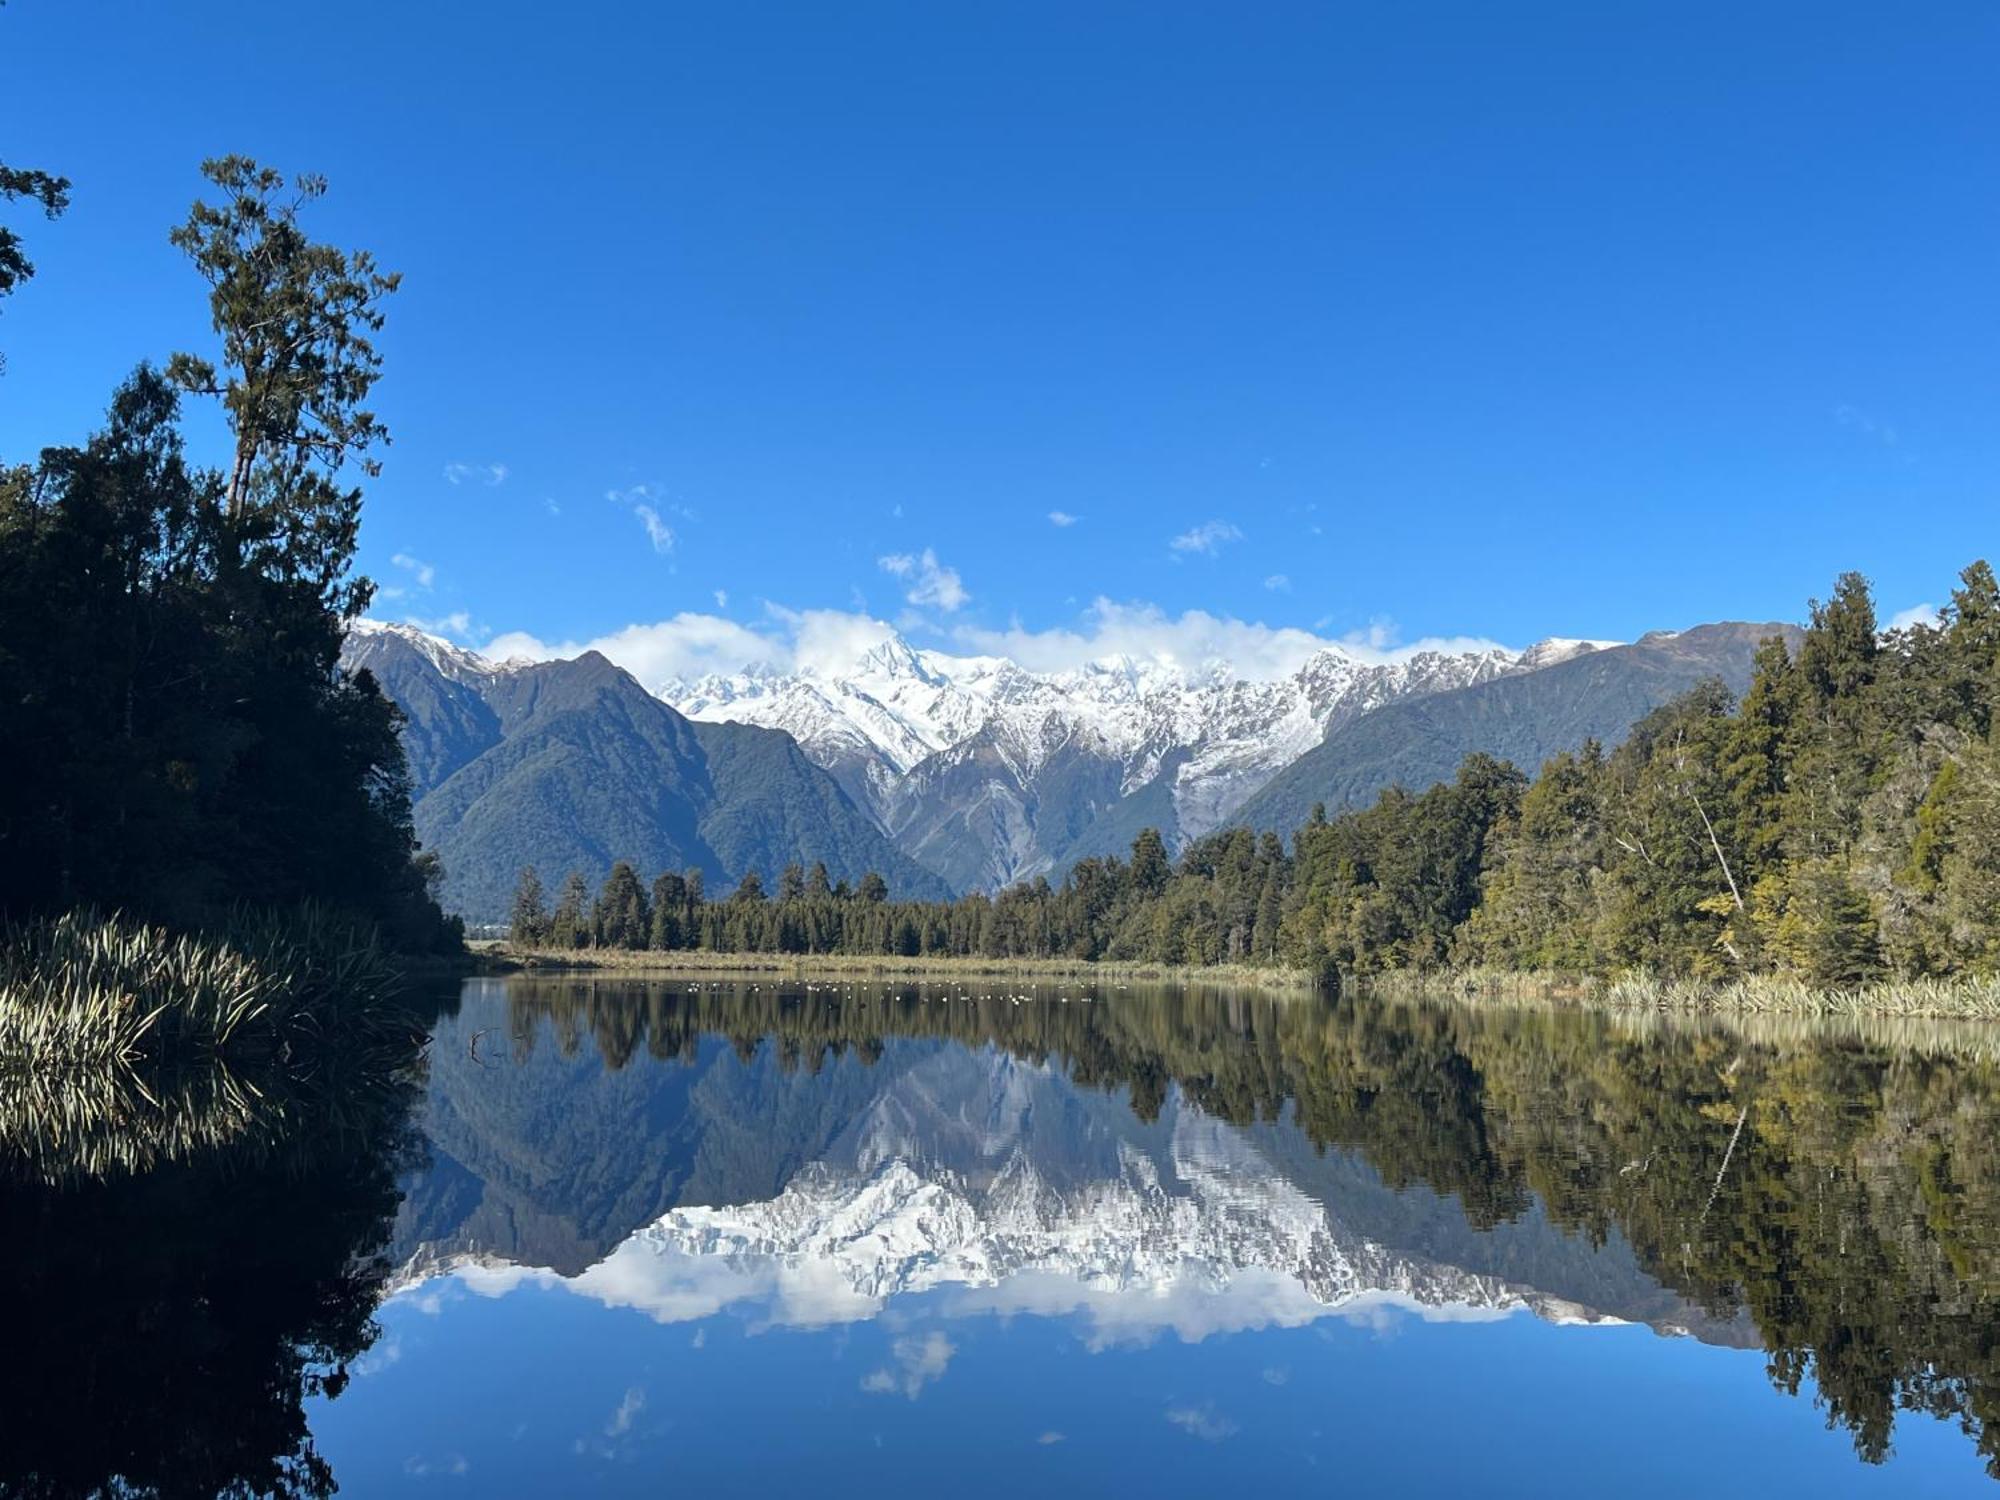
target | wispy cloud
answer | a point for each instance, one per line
(420, 1467)
(917, 1362)
(627, 1410)
(424, 573)
(1279, 583)
(1916, 614)
(643, 500)
(1856, 420)
(658, 532)
(486, 474)
(928, 581)
(458, 623)
(1063, 518)
(1203, 1421)
(1206, 539)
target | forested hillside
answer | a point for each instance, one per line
(573, 765)
(1525, 719)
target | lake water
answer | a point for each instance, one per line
(742, 1238)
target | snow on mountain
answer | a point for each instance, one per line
(898, 720)
(988, 773)
(458, 663)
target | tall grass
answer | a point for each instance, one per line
(87, 991)
(122, 1044)
(1957, 999)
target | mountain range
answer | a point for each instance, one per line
(953, 773)
(989, 773)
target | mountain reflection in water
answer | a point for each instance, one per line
(1146, 1164)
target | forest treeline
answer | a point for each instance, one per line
(1840, 824)
(180, 739)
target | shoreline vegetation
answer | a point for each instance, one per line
(87, 991)
(1973, 1000)
(507, 958)
(1958, 999)
(125, 1045)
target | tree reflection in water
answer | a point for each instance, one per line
(1838, 1186)
(189, 1264)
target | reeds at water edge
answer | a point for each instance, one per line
(123, 1045)
(1954, 999)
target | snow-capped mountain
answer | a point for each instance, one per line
(980, 770)
(991, 773)
(368, 639)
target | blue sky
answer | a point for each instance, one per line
(1393, 322)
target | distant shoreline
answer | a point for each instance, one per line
(1926, 999)
(500, 957)
(1961, 999)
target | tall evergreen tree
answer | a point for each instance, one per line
(570, 927)
(529, 927)
(622, 920)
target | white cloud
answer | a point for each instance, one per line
(1279, 583)
(688, 645)
(929, 581)
(1050, 1438)
(722, 598)
(1203, 1421)
(1208, 538)
(486, 474)
(1063, 518)
(629, 1408)
(1916, 614)
(421, 1467)
(425, 573)
(658, 532)
(645, 502)
(458, 623)
(1194, 644)
(918, 1361)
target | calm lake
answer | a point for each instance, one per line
(631, 1238)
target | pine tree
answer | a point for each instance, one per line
(570, 927)
(622, 920)
(1150, 866)
(530, 925)
(670, 914)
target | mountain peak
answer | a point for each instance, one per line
(456, 662)
(1558, 649)
(892, 657)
